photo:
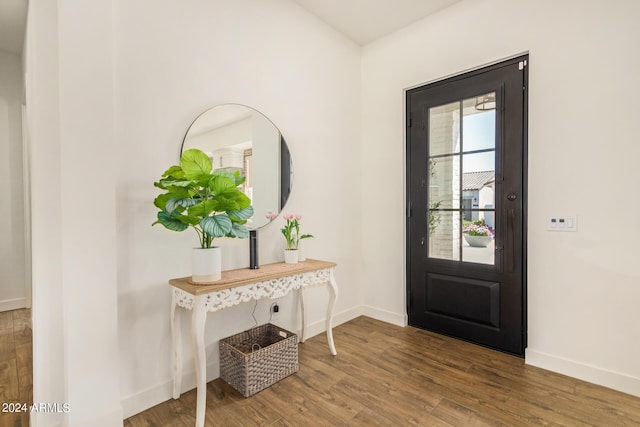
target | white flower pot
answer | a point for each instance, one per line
(478, 241)
(206, 265)
(291, 256)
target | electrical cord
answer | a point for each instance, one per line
(253, 314)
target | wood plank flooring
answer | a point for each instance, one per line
(386, 375)
(16, 365)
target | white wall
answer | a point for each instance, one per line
(41, 83)
(175, 60)
(69, 70)
(12, 250)
(584, 287)
(94, 251)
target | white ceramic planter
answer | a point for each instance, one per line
(478, 241)
(206, 265)
(291, 256)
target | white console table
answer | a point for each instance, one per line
(238, 286)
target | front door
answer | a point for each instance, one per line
(466, 190)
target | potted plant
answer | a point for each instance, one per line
(206, 200)
(291, 233)
(477, 234)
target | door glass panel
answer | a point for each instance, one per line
(478, 244)
(444, 182)
(479, 126)
(478, 181)
(479, 162)
(461, 191)
(444, 129)
(444, 234)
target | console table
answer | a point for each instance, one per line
(238, 286)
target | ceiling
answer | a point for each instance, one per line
(364, 21)
(13, 20)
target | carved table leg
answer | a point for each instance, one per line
(198, 320)
(333, 295)
(176, 343)
(302, 316)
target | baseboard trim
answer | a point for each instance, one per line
(318, 327)
(13, 304)
(363, 310)
(150, 397)
(110, 419)
(386, 316)
(593, 374)
(145, 399)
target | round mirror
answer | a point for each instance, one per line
(239, 138)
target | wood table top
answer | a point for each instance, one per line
(245, 276)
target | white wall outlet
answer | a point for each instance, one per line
(562, 223)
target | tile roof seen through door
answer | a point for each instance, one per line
(476, 180)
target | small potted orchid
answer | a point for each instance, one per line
(291, 233)
(477, 234)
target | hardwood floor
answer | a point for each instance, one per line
(16, 365)
(386, 375)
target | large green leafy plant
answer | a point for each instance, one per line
(207, 200)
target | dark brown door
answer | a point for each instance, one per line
(466, 187)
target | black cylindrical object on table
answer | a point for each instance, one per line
(253, 250)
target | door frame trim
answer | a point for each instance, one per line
(467, 71)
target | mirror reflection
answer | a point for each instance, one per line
(239, 138)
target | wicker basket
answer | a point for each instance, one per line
(255, 359)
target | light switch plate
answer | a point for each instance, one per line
(562, 223)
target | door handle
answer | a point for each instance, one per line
(511, 256)
(512, 196)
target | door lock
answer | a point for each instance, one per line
(512, 196)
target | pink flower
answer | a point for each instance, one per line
(477, 230)
(271, 215)
(291, 230)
